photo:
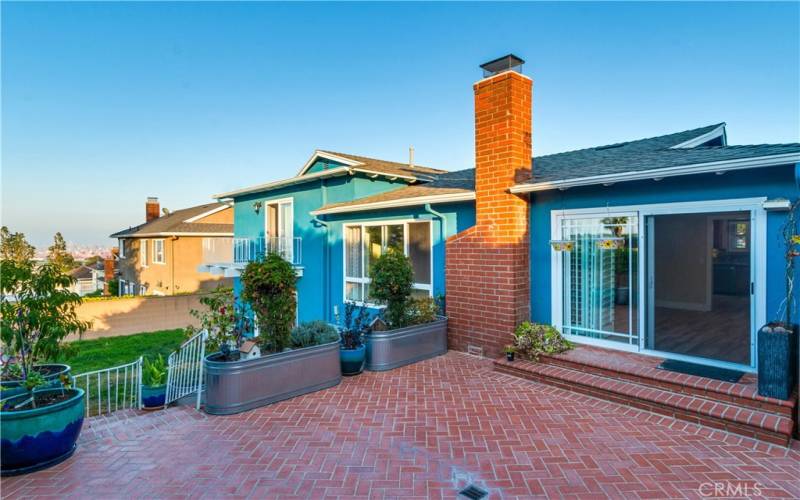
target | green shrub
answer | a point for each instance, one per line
(421, 310)
(220, 319)
(533, 339)
(392, 279)
(269, 288)
(313, 333)
(154, 372)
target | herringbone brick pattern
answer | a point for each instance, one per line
(420, 431)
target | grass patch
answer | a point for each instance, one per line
(114, 351)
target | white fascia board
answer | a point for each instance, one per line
(168, 233)
(702, 139)
(658, 173)
(327, 156)
(285, 182)
(403, 202)
(206, 214)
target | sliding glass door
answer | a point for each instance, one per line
(599, 260)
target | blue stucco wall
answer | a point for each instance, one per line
(321, 268)
(772, 182)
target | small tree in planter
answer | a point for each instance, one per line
(392, 282)
(269, 289)
(37, 311)
(777, 340)
(224, 320)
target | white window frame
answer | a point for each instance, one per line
(288, 231)
(364, 279)
(163, 259)
(121, 245)
(758, 232)
(143, 253)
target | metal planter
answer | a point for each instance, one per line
(237, 386)
(404, 346)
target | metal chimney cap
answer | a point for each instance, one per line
(508, 62)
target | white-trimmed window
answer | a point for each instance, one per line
(121, 248)
(143, 253)
(158, 252)
(365, 242)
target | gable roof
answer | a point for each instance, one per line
(680, 153)
(82, 272)
(181, 223)
(372, 167)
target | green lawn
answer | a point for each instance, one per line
(115, 351)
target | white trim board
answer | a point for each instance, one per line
(207, 213)
(660, 173)
(702, 139)
(402, 202)
(328, 156)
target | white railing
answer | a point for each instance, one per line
(111, 389)
(250, 249)
(185, 369)
(217, 250)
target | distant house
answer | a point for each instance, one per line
(163, 256)
(88, 279)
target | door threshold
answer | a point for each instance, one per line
(699, 360)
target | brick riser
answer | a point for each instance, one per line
(747, 402)
(768, 427)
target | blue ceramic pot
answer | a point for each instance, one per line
(153, 396)
(353, 360)
(39, 437)
(10, 388)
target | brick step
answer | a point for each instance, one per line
(766, 426)
(716, 390)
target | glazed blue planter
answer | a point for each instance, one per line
(40, 437)
(352, 360)
(11, 388)
(154, 396)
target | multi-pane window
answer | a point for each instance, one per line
(158, 252)
(143, 253)
(364, 243)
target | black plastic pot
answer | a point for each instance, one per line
(777, 355)
(509, 356)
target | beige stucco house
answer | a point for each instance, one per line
(162, 256)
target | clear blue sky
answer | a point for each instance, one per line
(105, 104)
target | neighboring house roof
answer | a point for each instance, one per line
(345, 164)
(82, 273)
(691, 151)
(181, 223)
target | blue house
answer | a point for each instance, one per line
(667, 245)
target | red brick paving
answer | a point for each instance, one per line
(420, 431)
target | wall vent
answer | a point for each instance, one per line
(474, 350)
(473, 492)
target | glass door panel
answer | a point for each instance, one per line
(600, 278)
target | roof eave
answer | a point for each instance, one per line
(402, 202)
(692, 169)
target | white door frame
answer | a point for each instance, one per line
(758, 267)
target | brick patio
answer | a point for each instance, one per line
(421, 431)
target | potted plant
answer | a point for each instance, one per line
(154, 383)
(777, 340)
(414, 329)
(281, 371)
(510, 350)
(353, 352)
(531, 340)
(39, 427)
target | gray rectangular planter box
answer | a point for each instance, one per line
(403, 346)
(237, 386)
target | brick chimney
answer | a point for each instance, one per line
(108, 273)
(152, 209)
(487, 266)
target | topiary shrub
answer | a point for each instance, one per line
(534, 339)
(313, 333)
(269, 288)
(392, 279)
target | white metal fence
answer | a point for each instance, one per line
(185, 373)
(111, 389)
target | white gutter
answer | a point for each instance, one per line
(659, 173)
(402, 202)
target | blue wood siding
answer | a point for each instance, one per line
(772, 182)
